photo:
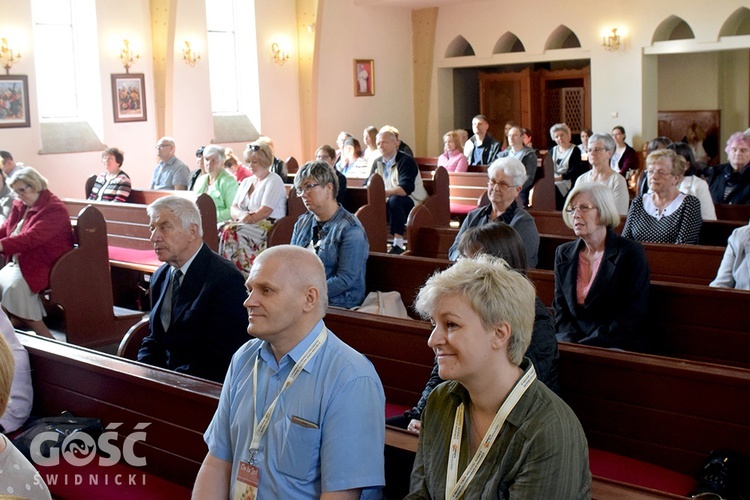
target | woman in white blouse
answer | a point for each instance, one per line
(260, 200)
(601, 148)
(692, 184)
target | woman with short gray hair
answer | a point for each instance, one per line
(601, 148)
(506, 179)
(566, 162)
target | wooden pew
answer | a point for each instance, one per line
(695, 264)
(740, 213)
(81, 287)
(685, 321)
(713, 233)
(131, 253)
(689, 264)
(177, 407)
(466, 189)
(439, 201)
(128, 228)
(673, 423)
(282, 230)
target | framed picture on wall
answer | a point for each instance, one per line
(129, 97)
(364, 77)
(14, 101)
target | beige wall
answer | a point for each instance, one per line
(631, 83)
(624, 84)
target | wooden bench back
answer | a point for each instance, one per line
(659, 410)
(439, 201)
(128, 223)
(80, 285)
(740, 213)
(690, 264)
(685, 321)
(713, 233)
(177, 407)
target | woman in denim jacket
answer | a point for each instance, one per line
(334, 234)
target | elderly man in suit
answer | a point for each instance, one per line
(197, 321)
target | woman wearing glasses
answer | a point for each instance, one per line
(601, 148)
(566, 161)
(506, 179)
(664, 214)
(260, 200)
(601, 279)
(36, 234)
(335, 235)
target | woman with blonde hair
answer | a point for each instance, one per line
(17, 475)
(493, 430)
(453, 158)
(260, 200)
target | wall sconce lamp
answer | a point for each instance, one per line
(279, 55)
(189, 55)
(7, 57)
(611, 42)
(128, 56)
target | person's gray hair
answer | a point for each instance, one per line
(184, 209)
(606, 139)
(496, 293)
(559, 127)
(306, 270)
(320, 172)
(169, 141)
(510, 166)
(214, 149)
(603, 199)
(387, 133)
(29, 176)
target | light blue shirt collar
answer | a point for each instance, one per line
(266, 354)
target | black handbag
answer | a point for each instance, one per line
(58, 429)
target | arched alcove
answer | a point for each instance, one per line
(562, 38)
(507, 44)
(672, 28)
(459, 47)
(737, 24)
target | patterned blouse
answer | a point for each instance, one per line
(679, 223)
(115, 189)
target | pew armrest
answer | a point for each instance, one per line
(131, 342)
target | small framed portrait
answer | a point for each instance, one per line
(364, 77)
(129, 97)
(14, 101)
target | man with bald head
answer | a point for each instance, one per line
(301, 414)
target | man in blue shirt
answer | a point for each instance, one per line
(171, 172)
(301, 414)
(334, 234)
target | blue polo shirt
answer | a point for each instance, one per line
(339, 391)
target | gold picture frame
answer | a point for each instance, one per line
(364, 77)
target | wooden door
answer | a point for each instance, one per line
(504, 97)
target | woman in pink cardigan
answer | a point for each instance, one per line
(36, 234)
(453, 158)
